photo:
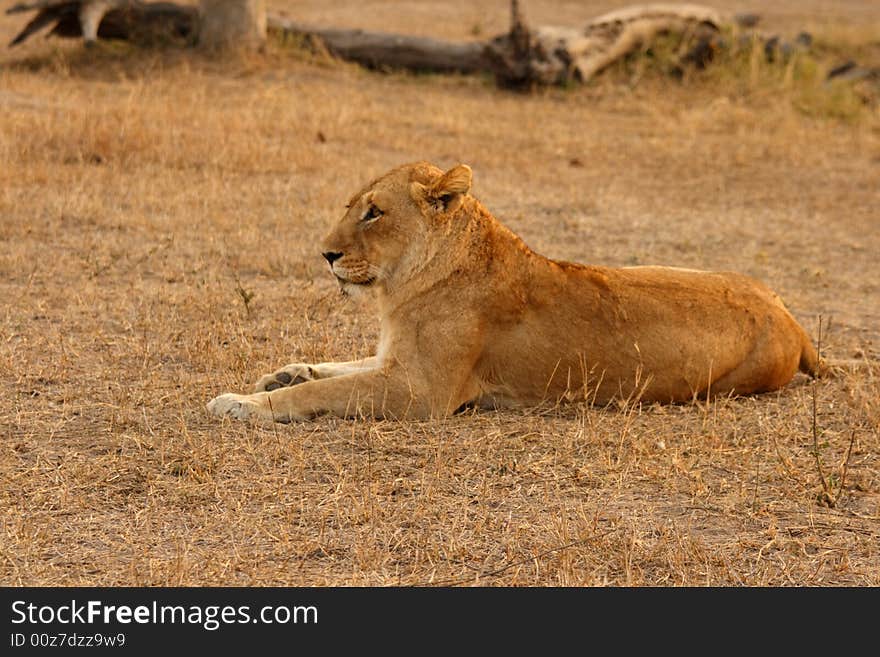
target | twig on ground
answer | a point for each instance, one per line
(246, 295)
(825, 497)
(845, 468)
(828, 496)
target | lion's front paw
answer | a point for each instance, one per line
(290, 375)
(237, 406)
(246, 407)
(241, 407)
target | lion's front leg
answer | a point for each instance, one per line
(372, 393)
(433, 384)
(296, 373)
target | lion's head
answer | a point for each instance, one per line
(386, 230)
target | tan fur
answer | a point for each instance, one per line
(470, 315)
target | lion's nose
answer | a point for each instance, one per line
(331, 256)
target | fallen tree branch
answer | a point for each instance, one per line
(554, 55)
(523, 56)
(127, 20)
(386, 50)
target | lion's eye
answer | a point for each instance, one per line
(372, 214)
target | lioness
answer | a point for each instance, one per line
(470, 316)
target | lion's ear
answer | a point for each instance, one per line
(446, 192)
(456, 181)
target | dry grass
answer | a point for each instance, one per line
(141, 195)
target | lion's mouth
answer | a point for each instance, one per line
(347, 281)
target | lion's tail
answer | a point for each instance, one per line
(810, 362)
(819, 368)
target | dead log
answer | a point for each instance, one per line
(554, 55)
(382, 50)
(128, 20)
(523, 56)
(232, 25)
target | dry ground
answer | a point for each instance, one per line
(143, 197)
